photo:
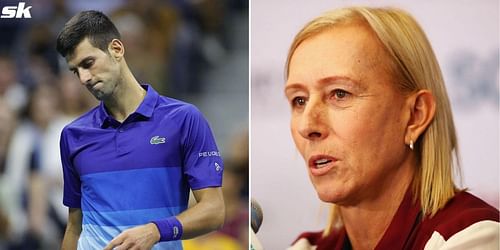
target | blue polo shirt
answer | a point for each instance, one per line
(126, 174)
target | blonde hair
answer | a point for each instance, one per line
(415, 67)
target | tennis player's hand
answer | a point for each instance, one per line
(139, 238)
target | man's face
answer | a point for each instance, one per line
(347, 117)
(97, 70)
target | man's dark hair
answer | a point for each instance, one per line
(91, 24)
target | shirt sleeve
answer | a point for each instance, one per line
(203, 164)
(480, 235)
(72, 192)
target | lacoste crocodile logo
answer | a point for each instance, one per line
(176, 231)
(157, 140)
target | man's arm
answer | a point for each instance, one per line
(207, 215)
(73, 229)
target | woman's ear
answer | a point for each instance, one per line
(116, 49)
(423, 108)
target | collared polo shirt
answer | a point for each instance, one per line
(126, 174)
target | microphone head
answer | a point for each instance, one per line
(256, 215)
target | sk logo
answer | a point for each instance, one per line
(157, 140)
(18, 11)
(217, 167)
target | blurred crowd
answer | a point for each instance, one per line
(171, 45)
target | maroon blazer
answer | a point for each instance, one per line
(465, 221)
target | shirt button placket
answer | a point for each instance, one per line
(119, 133)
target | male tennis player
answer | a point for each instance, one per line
(130, 162)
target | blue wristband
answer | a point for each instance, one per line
(170, 228)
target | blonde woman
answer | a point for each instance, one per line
(372, 120)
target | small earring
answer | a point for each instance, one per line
(411, 144)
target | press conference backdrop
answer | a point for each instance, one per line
(465, 37)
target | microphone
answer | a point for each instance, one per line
(256, 215)
(255, 221)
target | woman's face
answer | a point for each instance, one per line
(348, 120)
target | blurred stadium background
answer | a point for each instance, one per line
(193, 50)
